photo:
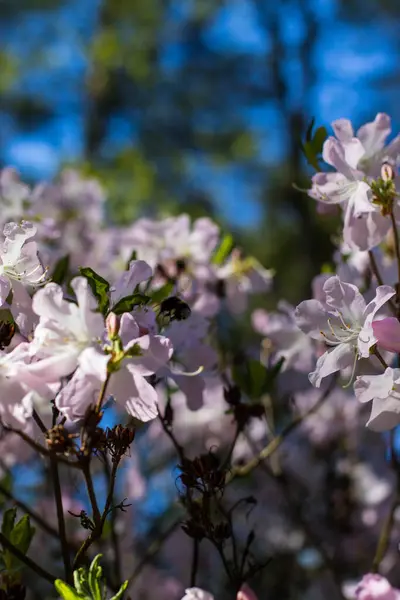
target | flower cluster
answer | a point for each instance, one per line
(143, 323)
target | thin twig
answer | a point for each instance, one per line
(99, 519)
(396, 243)
(195, 563)
(60, 518)
(102, 393)
(42, 450)
(241, 471)
(114, 533)
(268, 451)
(90, 490)
(374, 267)
(5, 542)
(384, 538)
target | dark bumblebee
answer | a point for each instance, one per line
(174, 308)
(7, 330)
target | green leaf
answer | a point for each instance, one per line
(22, 534)
(66, 591)
(254, 378)
(319, 138)
(60, 270)
(223, 250)
(128, 303)
(99, 286)
(81, 583)
(94, 578)
(8, 522)
(121, 591)
(164, 292)
(309, 130)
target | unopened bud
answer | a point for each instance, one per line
(112, 324)
(387, 172)
(245, 593)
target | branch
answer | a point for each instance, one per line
(42, 450)
(378, 277)
(60, 518)
(239, 471)
(99, 519)
(246, 469)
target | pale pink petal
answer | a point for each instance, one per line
(387, 333)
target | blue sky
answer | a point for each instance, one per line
(347, 59)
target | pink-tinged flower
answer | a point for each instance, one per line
(354, 158)
(288, 341)
(387, 333)
(20, 267)
(376, 587)
(366, 149)
(197, 594)
(66, 330)
(145, 355)
(242, 277)
(343, 322)
(384, 391)
(137, 272)
(245, 593)
(20, 388)
(158, 242)
(14, 196)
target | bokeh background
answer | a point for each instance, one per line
(196, 105)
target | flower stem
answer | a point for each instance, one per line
(60, 518)
(102, 393)
(378, 277)
(397, 251)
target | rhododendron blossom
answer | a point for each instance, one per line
(137, 392)
(376, 587)
(343, 322)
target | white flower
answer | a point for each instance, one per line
(19, 258)
(128, 384)
(20, 387)
(241, 278)
(344, 322)
(384, 391)
(197, 594)
(137, 272)
(288, 341)
(65, 330)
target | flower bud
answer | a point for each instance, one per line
(112, 324)
(387, 172)
(245, 593)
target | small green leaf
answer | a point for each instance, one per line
(223, 250)
(128, 303)
(22, 534)
(319, 138)
(309, 130)
(60, 270)
(94, 578)
(80, 582)
(66, 591)
(99, 286)
(121, 591)
(164, 292)
(8, 522)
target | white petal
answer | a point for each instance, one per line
(340, 357)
